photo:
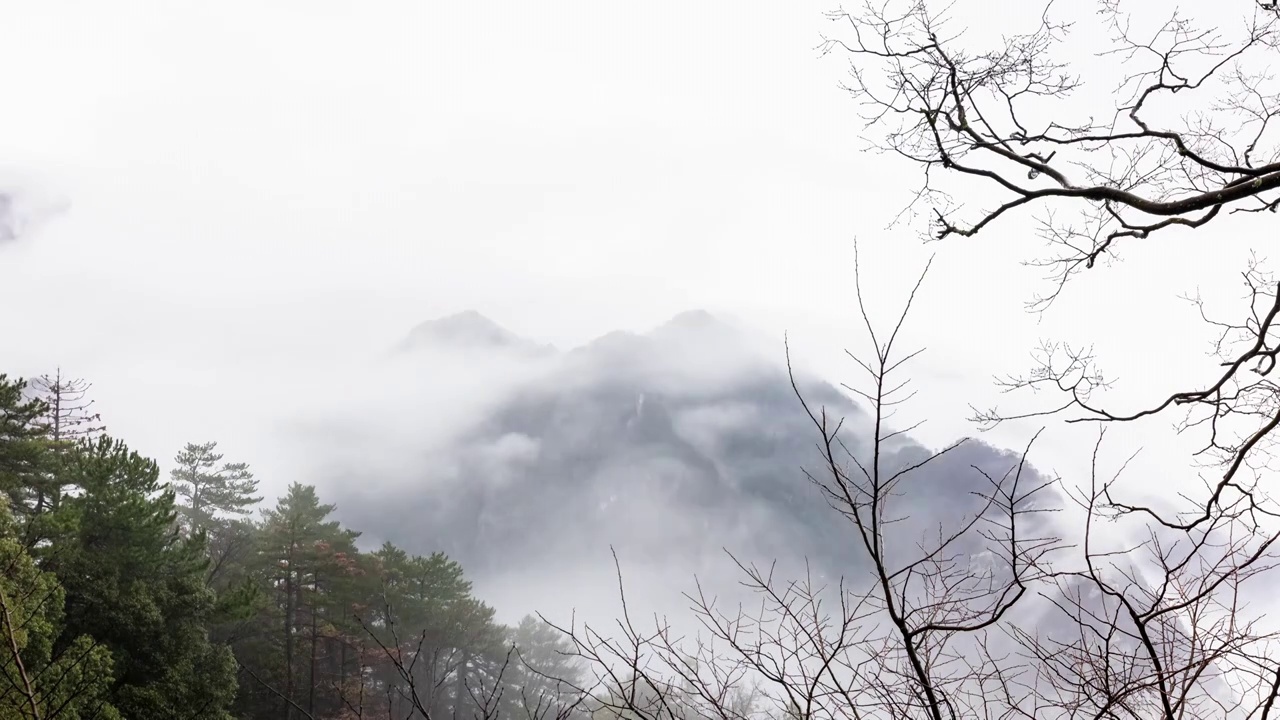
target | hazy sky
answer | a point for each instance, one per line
(262, 195)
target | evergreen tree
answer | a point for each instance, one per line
(71, 684)
(24, 447)
(145, 597)
(206, 486)
(545, 668)
(299, 545)
(478, 658)
(441, 635)
(137, 587)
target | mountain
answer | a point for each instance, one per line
(670, 447)
(468, 330)
(673, 444)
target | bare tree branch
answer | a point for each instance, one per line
(1000, 119)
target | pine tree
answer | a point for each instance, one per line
(443, 635)
(137, 587)
(545, 668)
(299, 541)
(24, 447)
(72, 684)
(206, 486)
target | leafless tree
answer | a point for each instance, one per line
(992, 615)
(1158, 622)
(1192, 135)
(1188, 645)
(1193, 132)
(68, 415)
(68, 418)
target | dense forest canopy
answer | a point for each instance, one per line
(128, 596)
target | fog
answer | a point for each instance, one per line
(518, 283)
(345, 392)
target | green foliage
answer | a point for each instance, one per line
(544, 653)
(137, 587)
(23, 447)
(206, 486)
(543, 671)
(37, 682)
(300, 560)
(143, 598)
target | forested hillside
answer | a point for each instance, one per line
(131, 594)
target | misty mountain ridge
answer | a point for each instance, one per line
(675, 443)
(469, 330)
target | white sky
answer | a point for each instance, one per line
(260, 191)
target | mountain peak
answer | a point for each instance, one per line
(698, 326)
(467, 329)
(693, 320)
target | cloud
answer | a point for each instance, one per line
(26, 207)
